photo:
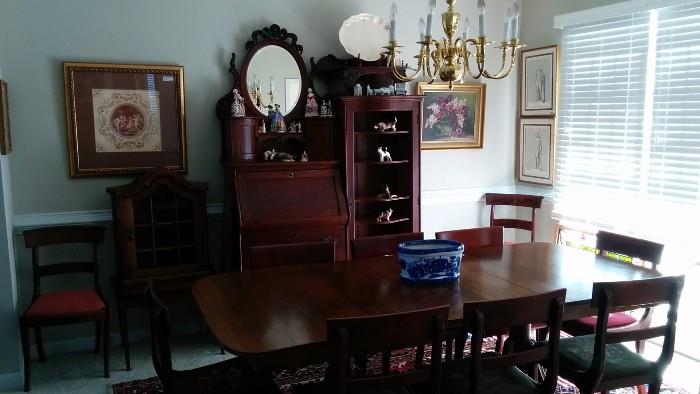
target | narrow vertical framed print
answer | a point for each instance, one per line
(539, 81)
(537, 139)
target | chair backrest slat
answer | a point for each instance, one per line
(63, 235)
(633, 294)
(67, 268)
(291, 253)
(474, 237)
(629, 246)
(363, 336)
(381, 245)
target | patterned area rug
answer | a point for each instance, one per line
(400, 361)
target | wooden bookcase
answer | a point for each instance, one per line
(366, 175)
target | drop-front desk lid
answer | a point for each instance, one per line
(290, 194)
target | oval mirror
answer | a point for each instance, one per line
(273, 78)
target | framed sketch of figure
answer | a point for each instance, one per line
(537, 150)
(539, 81)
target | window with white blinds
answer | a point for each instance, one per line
(628, 156)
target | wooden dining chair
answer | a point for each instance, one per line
(231, 376)
(68, 306)
(350, 338)
(516, 200)
(474, 237)
(599, 362)
(263, 256)
(622, 248)
(381, 245)
(496, 372)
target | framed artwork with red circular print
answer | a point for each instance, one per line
(124, 118)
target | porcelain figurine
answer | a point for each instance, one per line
(392, 90)
(262, 129)
(269, 155)
(298, 126)
(385, 216)
(324, 109)
(387, 194)
(370, 92)
(237, 106)
(357, 91)
(292, 128)
(386, 126)
(277, 122)
(311, 104)
(384, 155)
(401, 89)
(304, 156)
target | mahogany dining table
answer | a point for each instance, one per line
(276, 317)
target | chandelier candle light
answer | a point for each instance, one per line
(449, 58)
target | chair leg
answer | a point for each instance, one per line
(420, 353)
(106, 344)
(124, 331)
(39, 344)
(640, 346)
(460, 343)
(499, 344)
(655, 387)
(448, 349)
(98, 336)
(26, 352)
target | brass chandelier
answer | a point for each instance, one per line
(449, 58)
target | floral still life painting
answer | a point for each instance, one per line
(452, 119)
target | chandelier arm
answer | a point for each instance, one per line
(501, 74)
(467, 68)
(392, 51)
(504, 51)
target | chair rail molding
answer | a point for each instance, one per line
(103, 216)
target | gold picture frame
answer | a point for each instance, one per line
(539, 81)
(124, 118)
(452, 118)
(5, 139)
(537, 150)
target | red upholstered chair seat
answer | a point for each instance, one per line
(66, 303)
(586, 325)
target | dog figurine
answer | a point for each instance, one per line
(386, 126)
(384, 155)
(385, 216)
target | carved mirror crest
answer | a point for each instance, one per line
(273, 75)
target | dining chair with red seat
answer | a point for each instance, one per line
(232, 376)
(620, 247)
(515, 200)
(381, 245)
(599, 361)
(498, 373)
(263, 256)
(474, 237)
(353, 337)
(67, 306)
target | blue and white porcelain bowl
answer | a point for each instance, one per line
(430, 260)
